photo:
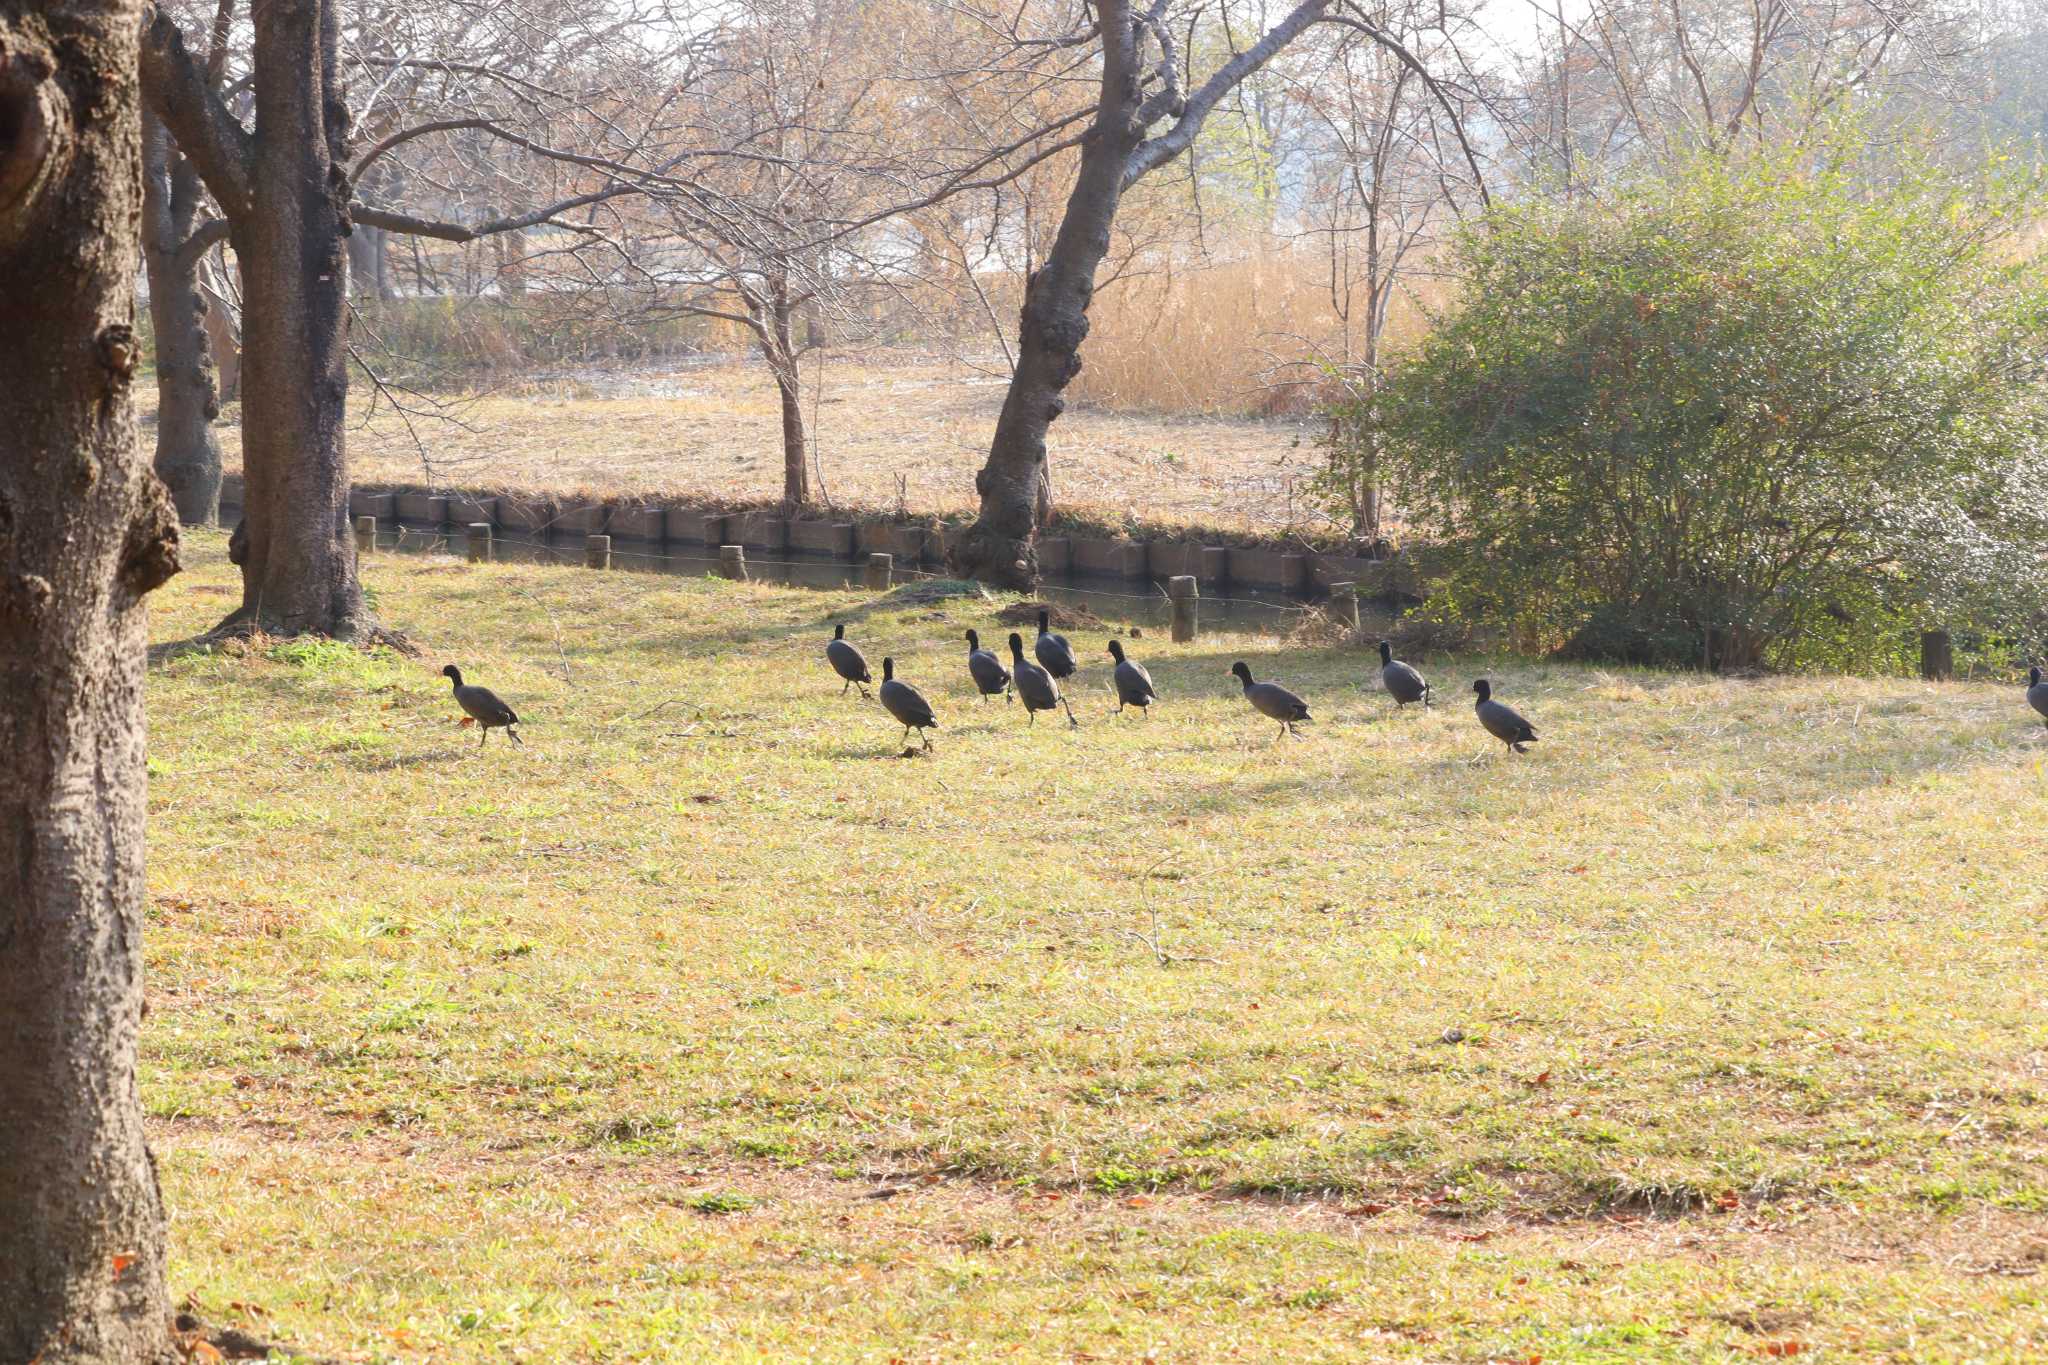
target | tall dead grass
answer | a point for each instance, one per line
(1239, 337)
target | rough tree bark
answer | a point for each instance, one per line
(999, 547)
(86, 531)
(299, 575)
(187, 451)
(286, 199)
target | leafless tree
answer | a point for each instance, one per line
(285, 186)
(1147, 109)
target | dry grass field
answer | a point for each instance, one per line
(705, 1027)
(893, 432)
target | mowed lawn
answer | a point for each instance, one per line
(706, 1027)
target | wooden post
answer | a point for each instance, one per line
(732, 562)
(881, 570)
(1344, 604)
(1187, 612)
(479, 542)
(597, 552)
(366, 535)
(1937, 656)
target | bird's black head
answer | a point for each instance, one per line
(888, 669)
(1044, 621)
(1242, 670)
(1483, 688)
(2033, 677)
(451, 671)
(973, 640)
(839, 630)
(1386, 652)
(1016, 644)
(1116, 651)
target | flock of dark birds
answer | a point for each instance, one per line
(1038, 685)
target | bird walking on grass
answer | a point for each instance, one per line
(847, 661)
(907, 704)
(1272, 701)
(2037, 693)
(1039, 689)
(990, 677)
(1402, 681)
(1133, 683)
(1053, 651)
(1503, 722)
(483, 707)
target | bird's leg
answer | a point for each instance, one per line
(483, 736)
(843, 686)
(1070, 713)
(926, 736)
(906, 735)
(513, 735)
(1033, 716)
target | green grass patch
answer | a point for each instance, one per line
(1152, 1035)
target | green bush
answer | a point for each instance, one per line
(1781, 412)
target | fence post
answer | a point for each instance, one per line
(366, 535)
(732, 562)
(479, 542)
(1937, 656)
(1187, 613)
(597, 552)
(1344, 604)
(881, 569)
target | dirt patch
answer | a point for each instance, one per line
(1064, 617)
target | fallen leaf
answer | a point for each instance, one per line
(1727, 1200)
(1782, 1348)
(466, 720)
(122, 1260)
(1542, 1078)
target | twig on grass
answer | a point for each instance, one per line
(556, 627)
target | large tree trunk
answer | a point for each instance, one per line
(299, 572)
(85, 532)
(998, 547)
(187, 452)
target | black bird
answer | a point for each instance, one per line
(1053, 650)
(483, 707)
(1133, 683)
(990, 677)
(2037, 693)
(1401, 680)
(847, 661)
(907, 704)
(1039, 689)
(1272, 701)
(1503, 722)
